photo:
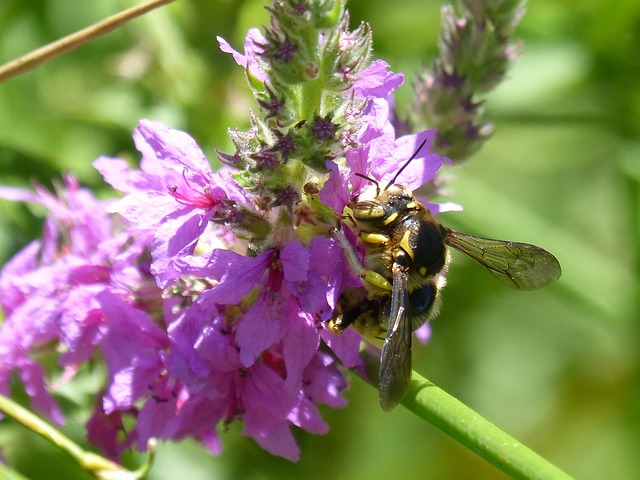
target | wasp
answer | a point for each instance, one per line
(405, 259)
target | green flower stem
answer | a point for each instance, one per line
(100, 467)
(468, 428)
(310, 98)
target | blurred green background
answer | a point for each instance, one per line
(557, 368)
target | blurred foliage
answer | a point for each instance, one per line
(557, 369)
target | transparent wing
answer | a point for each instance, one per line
(518, 265)
(395, 360)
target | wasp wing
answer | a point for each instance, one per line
(395, 360)
(518, 265)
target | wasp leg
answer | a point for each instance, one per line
(370, 278)
(375, 283)
(374, 238)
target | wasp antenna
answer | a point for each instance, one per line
(372, 180)
(414, 155)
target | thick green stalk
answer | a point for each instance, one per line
(467, 427)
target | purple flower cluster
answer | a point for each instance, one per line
(85, 284)
(198, 325)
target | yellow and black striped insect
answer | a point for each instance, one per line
(405, 260)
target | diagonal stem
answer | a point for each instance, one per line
(70, 42)
(100, 467)
(467, 427)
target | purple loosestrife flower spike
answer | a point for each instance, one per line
(475, 54)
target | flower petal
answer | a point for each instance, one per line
(295, 261)
(377, 80)
(260, 328)
(300, 343)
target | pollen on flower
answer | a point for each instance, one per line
(193, 199)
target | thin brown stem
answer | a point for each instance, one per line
(70, 42)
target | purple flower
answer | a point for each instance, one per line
(52, 293)
(130, 347)
(250, 60)
(296, 289)
(174, 194)
(174, 412)
(260, 391)
(105, 431)
(250, 337)
(377, 81)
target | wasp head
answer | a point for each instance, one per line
(383, 208)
